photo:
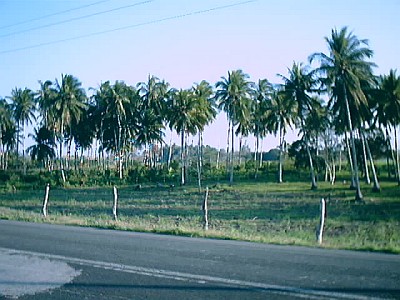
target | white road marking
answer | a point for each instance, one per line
(201, 279)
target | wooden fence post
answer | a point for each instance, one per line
(46, 200)
(322, 221)
(115, 203)
(205, 210)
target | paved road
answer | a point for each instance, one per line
(62, 262)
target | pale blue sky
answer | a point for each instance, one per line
(262, 38)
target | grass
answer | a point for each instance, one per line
(285, 213)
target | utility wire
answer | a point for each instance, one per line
(54, 14)
(197, 12)
(76, 18)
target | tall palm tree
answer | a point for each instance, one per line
(154, 94)
(262, 93)
(388, 110)
(43, 149)
(343, 70)
(46, 97)
(148, 129)
(8, 131)
(23, 106)
(205, 114)
(83, 132)
(233, 96)
(281, 112)
(297, 86)
(9, 140)
(181, 117)
(313, 125)
(115, 106)
(69, 105)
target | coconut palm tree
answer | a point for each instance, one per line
(314, 124)
(83, 132)
(43, 149)
(182, 109)
(342, 72)
(297, 86)
(23, 107)
(153, 94)
(262, 93)
(69, 105)
(148, 129)
(233, 97)
(281, 112)
(114, 110)
(388, 110)
(205, 114)
(46, 97)
(8, 131)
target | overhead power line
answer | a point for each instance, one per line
(54, 14)
(197, 12)
(76, 18)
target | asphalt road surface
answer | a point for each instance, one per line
(40, 261)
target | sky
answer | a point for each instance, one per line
(182, 41)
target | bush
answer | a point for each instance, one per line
(4, 176)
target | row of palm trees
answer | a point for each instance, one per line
(120, 116)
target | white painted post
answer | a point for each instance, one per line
(115, 203)
(205, 210)
(322, 221)
(46, 200)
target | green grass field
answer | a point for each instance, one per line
(285, 213)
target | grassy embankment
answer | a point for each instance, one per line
(285, 213)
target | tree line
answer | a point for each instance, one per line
(361, 106)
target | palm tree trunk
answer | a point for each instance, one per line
(76, 159)
(280, 154)
(228, 157)
(61, 145)
(6, 156)
(81, 160)
(352, 184)
(199, 160)
(359, 196)
(182, 157)
(1, 151)
(396, 146)
(18, 130)
(367, 178)
(23, 149)
(389, 151)
(232, 153)
(313, 182)
(218, 156)
(240, 150)
(119, 148)
(333, 172)
(326, 159)
(376, 187)
(255, 157)
(186, 159)
(256, 148)
(68, 162)
(260, 155)
(169, 154)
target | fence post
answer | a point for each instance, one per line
(46, 200)
(205, 210)
(115, 203)
(322, 221)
